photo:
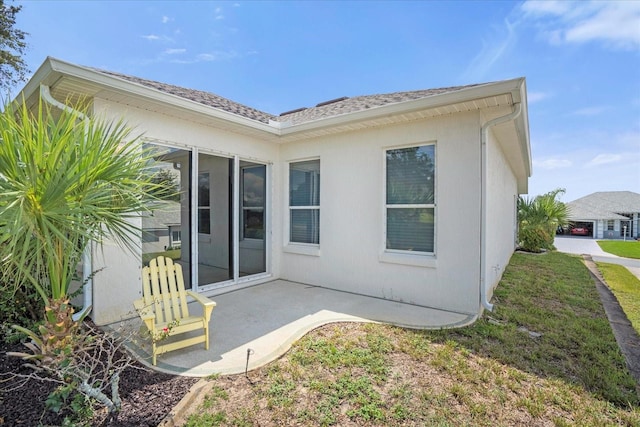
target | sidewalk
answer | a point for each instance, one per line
(588, 246)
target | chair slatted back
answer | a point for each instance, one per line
(163, 288)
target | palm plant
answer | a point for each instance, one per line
(65, 180)
(539, 218)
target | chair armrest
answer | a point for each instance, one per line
(144, 311)
(206, 302)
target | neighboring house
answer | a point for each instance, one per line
(408, 196)
(161, 228)
(607, 214)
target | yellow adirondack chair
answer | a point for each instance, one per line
(163, 307)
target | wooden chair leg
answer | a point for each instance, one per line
(206, 337)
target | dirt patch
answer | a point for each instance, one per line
(147, 396)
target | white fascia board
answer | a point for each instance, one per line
(136, 89)
(53, 68)
(512, 87)
(522, 126)
(43, 75)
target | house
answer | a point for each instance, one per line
(161, 228)
(607, 214)
(408, 196)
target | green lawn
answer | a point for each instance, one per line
(628, 249)
(497, 372)
(626, 288)
(173, 254)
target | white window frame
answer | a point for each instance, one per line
(201, 208)
(312, 249)
(398, 256)
(174, 241)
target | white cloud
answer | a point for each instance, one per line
(166, 19)
(553, 163)
(216, 56)
(218, 13)
(151, 37)
(207, 57)
(614, 23)
(544, 7)
(492, 51)
(591, 111)
(537, 96)
(174, 51)
(603, 159)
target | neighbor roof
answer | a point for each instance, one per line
(604, 205)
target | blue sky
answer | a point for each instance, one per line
(581, 61)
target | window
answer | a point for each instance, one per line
(204, 204)
(176, 237)
(410, 199)
(304, 202)
(610, 225)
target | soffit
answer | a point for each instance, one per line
(67, 89)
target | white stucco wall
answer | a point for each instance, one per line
(352, 208)
(501, 230)
(351, 255)
(119, 283)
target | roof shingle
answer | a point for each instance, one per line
(604, 205)
(322, 110)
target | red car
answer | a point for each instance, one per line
(580, 231)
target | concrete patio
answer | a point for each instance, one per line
(263, 321)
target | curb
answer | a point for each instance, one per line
(627, 338)
(180, 409)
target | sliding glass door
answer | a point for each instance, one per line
(214, 219)
(166, 230)
(252, 255)
(215, 214)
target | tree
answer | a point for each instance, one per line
(538, 220)
(66, 180)
(13, 69)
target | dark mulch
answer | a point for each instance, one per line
(147, 396)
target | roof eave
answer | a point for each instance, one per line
(512, 87)
(53, 69)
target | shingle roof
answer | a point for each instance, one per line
(205, 98)
(322, 110)
(165, 214)
(359, 103)
(604, 205)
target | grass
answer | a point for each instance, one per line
(628, 249)
(626, 288)
(493, 373)
(173, 254)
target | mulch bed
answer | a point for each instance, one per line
(147, 396)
